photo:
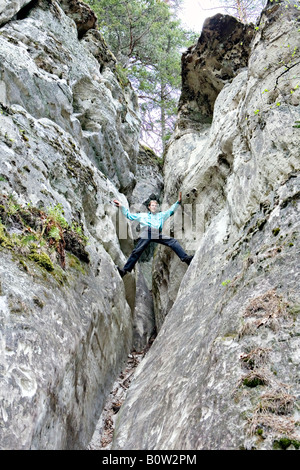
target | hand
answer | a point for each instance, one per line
(117, 203)
(179, 198)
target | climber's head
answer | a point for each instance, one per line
(153, 206)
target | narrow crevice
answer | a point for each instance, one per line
(24, 12)
(103, 434)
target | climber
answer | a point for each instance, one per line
(151, 224)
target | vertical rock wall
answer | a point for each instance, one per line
(69, 137)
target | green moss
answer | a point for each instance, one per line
(276, 231)
(60, 276)
(42, 259)
(83, 173)
(4, 241)
(121, 74)
(284, 443)
(294, 310)
(4, 238)
(253, 382)
(148, 157)
(40, 234)
(24, 265)
(74, 263)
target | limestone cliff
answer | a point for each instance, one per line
(223, 372)
(69, 140)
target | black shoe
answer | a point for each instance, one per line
(188, 260)
(122, 272)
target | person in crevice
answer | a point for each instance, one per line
(151, 224)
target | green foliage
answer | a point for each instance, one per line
(121, 73)
(253, 382)
(76, 228)
(285, 442)
(55, 214)
(40, 233)
(28, 239)
(4, 239)
(147, 40)
(54, 233)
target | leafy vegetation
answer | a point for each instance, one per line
(147, 39)
(41, 236)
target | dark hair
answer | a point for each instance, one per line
(152, 200)
(152, 197)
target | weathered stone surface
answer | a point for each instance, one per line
(220, 53)
(190, 392)
(144, 320)
(42, 70)
(234, 162)
(9, 8)
(64, 333)
(149, 179)
(223, 372)
(81, 13)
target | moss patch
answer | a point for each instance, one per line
(284, 443)
(74, 263)
(41, 236)
(4, 239)
(253, 382)
(42, 259)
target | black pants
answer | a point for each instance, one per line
(153, 236)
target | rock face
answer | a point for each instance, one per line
(220, 53)
(81, 13)
(223, 372)
(9, 8)
(69, 137)
(42, 70)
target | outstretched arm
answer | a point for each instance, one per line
(172, 209)
(126, 212)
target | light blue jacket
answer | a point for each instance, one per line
(155, 221)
